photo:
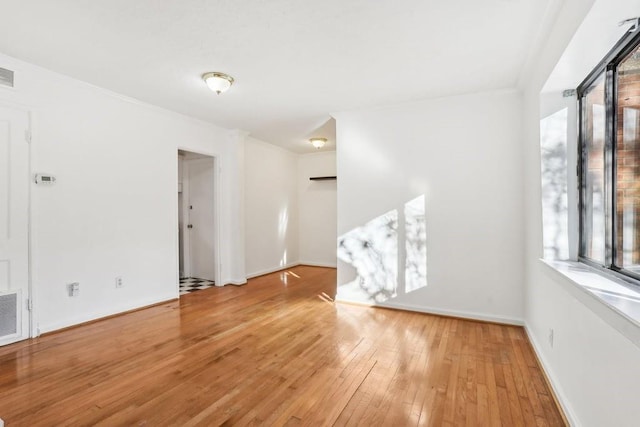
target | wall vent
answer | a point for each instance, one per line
(6, 77)
(8, 314)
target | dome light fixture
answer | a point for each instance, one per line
(218, 82)
(318, 142)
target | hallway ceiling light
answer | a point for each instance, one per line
(318, 142)
(218, 82)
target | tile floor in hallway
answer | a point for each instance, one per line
(192, 284)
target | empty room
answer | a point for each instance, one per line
(320, 213)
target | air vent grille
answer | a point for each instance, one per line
(6, 77)
(8, 314)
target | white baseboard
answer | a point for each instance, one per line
(445, 312)
(318, 264)
(284, 267)
(271, 270)
(552, 380)
(122, 308)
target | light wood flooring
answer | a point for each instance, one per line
(275, 352)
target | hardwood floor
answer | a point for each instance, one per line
(275, 352)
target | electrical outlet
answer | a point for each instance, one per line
(73, 289)
(119, 282)
(551, 337)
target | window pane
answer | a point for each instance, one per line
(593, 197)
(628, 163)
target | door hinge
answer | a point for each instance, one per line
(27, 136)
(29, 304)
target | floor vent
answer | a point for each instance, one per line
(8, 314)
(6, 77)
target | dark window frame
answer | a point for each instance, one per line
(607, 66)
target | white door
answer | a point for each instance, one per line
(14, 225)
(201, 219)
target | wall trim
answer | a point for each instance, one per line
(319, 264)
(468, 315)
(271, 270)
(554, 384)
(290, 265)
(622, 322)
(101, 315)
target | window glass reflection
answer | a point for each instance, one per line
(628, 163)
(593, 197)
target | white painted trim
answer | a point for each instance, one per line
(33, 328)
(505, 320)
(318, 264)
(616, 317)
(286, 266)
(186, 237)
(217, 197)
(29, 110)
(120, 309)
(553, 381)
(272, 270)
(20, 64)
(339, 115)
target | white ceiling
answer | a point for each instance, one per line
(294, 61)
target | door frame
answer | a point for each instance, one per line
(216, 212)
(30, 311)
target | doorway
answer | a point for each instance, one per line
(197, 222)
(15, 289)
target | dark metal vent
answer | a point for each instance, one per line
(8, 314)
(6, 77)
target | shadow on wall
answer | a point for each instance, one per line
(388, 254)
(553, 154)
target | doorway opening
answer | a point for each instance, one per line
(197, 222)
(15, 166)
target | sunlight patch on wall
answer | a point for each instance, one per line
(373, 251)
(283, 223)
(553, 157)
(415, 245)
(388, 254)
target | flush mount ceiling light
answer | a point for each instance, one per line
(218, 82)
(318, 142)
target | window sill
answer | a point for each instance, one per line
(611, 298)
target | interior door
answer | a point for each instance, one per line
(201, 218)
(14, 225)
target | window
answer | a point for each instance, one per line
(609, 165)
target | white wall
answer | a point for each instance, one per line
(271, 207)
(113, 209)
(317, 207)
(593, 367)
(464, 155)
